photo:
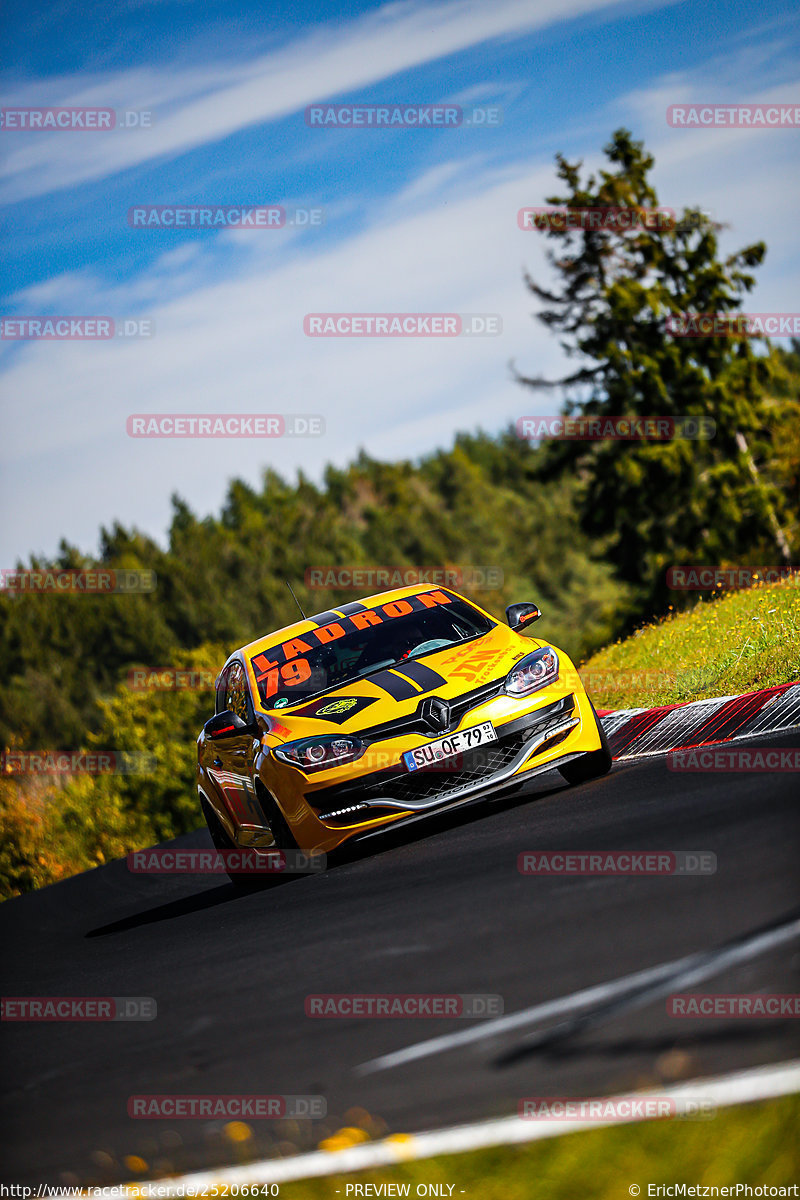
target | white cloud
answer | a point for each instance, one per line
(194, 107)
(448, 243)
(239, 346)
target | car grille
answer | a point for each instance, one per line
(355, 802)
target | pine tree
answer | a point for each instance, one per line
(682, 501)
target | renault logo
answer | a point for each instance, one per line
(435, 714)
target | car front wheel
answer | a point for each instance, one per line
(592, 765)
(247, 880)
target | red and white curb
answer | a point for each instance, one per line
(741, 1087)
(635, 731)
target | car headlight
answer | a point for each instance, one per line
(532, 672)
(319, 753)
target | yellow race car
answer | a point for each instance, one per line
(384, 711)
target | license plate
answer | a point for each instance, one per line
(449, 747)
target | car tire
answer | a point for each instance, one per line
(593, 765)
(278, 825)
(246, 880)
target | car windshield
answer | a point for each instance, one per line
(362, 642)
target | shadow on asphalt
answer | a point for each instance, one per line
(397, 836)
(730, 1034)
(187, 905)
(394, 838)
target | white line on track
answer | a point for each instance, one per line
(681, 972)
(741, 1087)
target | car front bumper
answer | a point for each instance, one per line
(324, 815)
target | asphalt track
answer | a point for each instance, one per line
(441, 909)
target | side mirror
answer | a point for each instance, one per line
(227, 724)
(520, 615)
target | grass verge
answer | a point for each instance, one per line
(724, 646)
(748, 1144)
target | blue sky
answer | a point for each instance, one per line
(415, 220)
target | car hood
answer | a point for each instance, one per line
(390, 694)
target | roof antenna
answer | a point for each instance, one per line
(297, 602)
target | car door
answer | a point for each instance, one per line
(231, 759)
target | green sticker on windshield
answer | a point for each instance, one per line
(281, 702)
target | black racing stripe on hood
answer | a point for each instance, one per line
(419, 673)
(399, 688)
